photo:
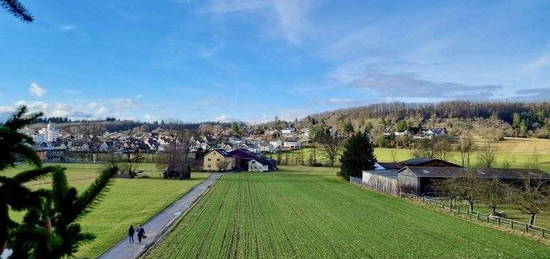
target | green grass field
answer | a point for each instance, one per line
(128, 201)
(518, 152)
(304, 213)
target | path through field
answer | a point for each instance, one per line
(302, 215)
(159, 224)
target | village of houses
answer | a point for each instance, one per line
(223, 152)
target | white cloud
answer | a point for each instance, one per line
(33, 106)
(124, 103)
(538, 63)
(228, 6)
(341, 101)
(409, 85)
(6, 109)
(71, 91)
(292, 114)
(68, 27)
(37, 90)
(291, 15)
(225, 118)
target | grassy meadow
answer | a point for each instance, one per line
(128, 201)
(300, 212)
(518, 152)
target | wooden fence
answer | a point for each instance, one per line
(355, 180)
(488, 218)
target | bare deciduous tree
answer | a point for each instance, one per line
(465, 147)
(487, 155)
(532, 198)
(441, 147)
(494, 193)
(331, 145)
(222, 164)
(468, 186)
(175, 160)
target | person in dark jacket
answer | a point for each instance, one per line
(131, 234)
(141, 233)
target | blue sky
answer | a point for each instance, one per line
(252, 60)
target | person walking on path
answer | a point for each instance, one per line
(131, 234)
(141, 233)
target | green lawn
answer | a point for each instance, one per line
(304, 213)
(128, 201)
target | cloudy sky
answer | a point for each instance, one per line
(251, 60)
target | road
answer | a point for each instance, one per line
(160, 224)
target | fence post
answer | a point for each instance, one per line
(512, 224)
(487, 218)
(526, 227)
(498, 221)
(542, 232)
(478, 216)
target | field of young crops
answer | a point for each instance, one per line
(302, 214)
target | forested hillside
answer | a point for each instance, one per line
(518, 119)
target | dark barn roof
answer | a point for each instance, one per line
(419, 161)
(223, 152)
(448, 172)
(243, 154)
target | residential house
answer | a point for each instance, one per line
(290, 145)
(288, 131)
(218, 160)
(268, 148)
(278, 144)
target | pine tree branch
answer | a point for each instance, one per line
(17, 9)
(34, 174)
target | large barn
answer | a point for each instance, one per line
(385, 176)
(422, 180)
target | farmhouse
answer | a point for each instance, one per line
(218, 160)
(422, 180)
(243, 158)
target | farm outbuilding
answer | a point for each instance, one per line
(257, 166)
(381, 180)
(422, 180)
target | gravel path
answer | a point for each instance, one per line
(157, 226)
